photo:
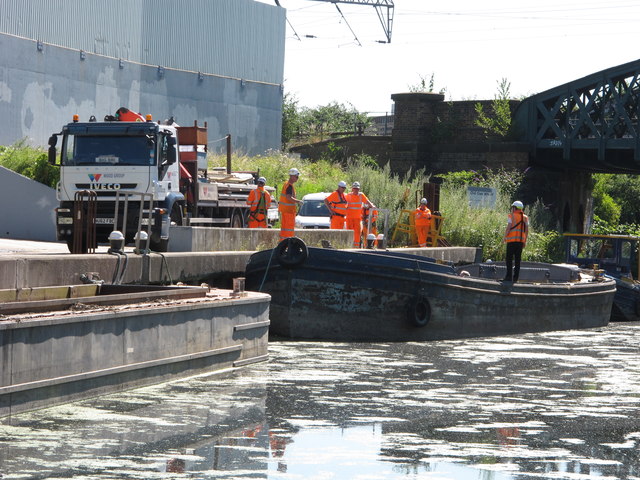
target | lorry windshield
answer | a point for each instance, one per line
(109, 150)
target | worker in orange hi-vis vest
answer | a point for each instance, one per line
(337, 205)
(423, 222)
(515, 236)
(356, 200)
(287, 205)
(259, 201)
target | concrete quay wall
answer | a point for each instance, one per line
(216, 268)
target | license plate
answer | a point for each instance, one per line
(104, 221)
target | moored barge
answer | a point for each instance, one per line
(374, 295)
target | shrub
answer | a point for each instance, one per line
(30, 162)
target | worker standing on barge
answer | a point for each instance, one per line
(287, 205)
(515, 236)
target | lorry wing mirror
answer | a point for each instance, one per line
(53, 139)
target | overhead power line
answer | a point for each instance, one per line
(384, 9)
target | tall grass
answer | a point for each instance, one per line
(474, 227)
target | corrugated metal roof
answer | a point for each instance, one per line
(235, 38)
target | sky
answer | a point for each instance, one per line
(467, 46)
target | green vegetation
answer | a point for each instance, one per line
(30, 162)
(498, 121)
(463, 226)
(424, 86)
(317, 124)
(468, 226)
(615, 204)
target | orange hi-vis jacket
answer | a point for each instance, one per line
(259, 202)
(338, 203)
(423, 217)
(284, 204)
(518, 227)
(355, 203)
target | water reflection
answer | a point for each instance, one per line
(559, 405)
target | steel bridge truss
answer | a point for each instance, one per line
(588, 124)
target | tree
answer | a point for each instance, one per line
(624, 190)
(498, 122)
(332, 118)
(291, 119)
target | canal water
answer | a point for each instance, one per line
(561, 405)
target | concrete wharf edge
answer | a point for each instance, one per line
(216, 268)
(48, 359)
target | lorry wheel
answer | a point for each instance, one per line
(176, 216)
(237, 220)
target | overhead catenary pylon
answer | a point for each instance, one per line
(385, 17)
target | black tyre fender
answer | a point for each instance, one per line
(291, 252)
(420, 312)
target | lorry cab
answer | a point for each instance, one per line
(122, 162)
(125, 156)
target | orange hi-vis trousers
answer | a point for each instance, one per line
(337, 222)
(356, 225)
(422, 231)
(287, 225)
(253, 223)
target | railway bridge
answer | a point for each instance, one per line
(560, 136)
(590, 124)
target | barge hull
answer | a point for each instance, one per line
(349, 296)
(69, 356)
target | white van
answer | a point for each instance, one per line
(314, 213)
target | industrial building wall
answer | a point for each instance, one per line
(235, 38)
(214, 61)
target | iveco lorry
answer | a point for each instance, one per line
(146, 174)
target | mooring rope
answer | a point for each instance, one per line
(266, 270)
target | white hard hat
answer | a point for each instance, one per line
(355, 185)
(518, 204)
(294, 171)
(342, 184)
(423, 201)
(262, 180)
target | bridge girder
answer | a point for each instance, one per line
(589, 124)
